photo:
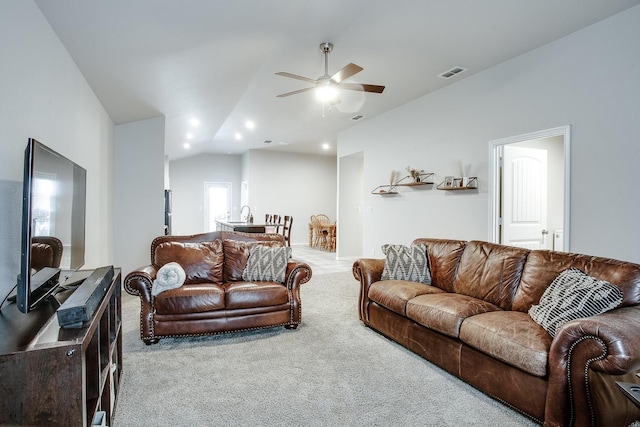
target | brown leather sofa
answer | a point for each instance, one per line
(473, 322)
(214, 298)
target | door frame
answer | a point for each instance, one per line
(495, 181)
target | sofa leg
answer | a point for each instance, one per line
(291, 326)
(152, 341)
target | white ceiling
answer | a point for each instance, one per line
(215, 60)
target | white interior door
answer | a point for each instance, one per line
(524, 198)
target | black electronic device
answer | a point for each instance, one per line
(53, 214)
(79, 308)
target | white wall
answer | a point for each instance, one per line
(139, 189)
(588, 80)
(350, 205)
(43, 95)
(188, 176)
(297, 185)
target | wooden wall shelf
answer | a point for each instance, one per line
(472, 185)
(406, 181)
(384, 190)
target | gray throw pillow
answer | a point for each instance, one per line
(406, 263)
(267, 264)
(574, 295)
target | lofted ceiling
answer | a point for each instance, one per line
(215, 60)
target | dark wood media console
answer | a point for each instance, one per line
(60, 377)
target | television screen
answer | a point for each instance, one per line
(53, 223)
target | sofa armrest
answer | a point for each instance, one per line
(140, 281)
(607, 345)
(297, 274)
(367, 271)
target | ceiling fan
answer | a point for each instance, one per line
(327, 85)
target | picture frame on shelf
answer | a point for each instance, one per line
(449, 181)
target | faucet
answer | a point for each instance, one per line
(248, 217)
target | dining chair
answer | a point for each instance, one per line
(319, 235)
(332, 237)
(286, 228)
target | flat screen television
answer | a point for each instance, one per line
(53, 223)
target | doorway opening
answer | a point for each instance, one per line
(217, 203)
(529, 190)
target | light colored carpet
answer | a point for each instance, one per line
(331, 371)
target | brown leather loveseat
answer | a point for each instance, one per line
(473, 321)
(214, 298)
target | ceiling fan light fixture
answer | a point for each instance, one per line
(326, 93)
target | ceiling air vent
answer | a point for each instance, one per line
(452, 72)
(358, 117)
(267, 141)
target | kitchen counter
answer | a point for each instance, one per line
(243, 226)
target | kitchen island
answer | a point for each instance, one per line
(243, 226)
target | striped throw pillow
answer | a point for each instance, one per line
(406, 263)
(574, 295)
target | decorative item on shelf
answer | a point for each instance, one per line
(453, 183)
(415, 178)
(387, 190)
(414, 173)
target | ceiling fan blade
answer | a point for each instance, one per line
(295, 76)
(346, 72)
(362, 88)
(282, 95)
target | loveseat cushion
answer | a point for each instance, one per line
(191, 298)
(250, 294)
(267, 263)
(445, 312)
(490, 272)
(394, 294)
(509, 336)
(201, 261)
(236, 255)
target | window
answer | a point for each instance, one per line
(217, 203)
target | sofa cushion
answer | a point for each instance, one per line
(267, 263)
(394, 294)
(201, 261)
(251, 295)
(236, 254)
(542, 267)
(191, 298)
(573, 295)
(406, 263)
(509, 336)
(445, 312)
(490, 272)
(444, 258)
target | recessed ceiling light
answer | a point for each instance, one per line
(186, 145)
(238, 136)
(250, 125)
(189, 136)
(194, 122)
(325, 146)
